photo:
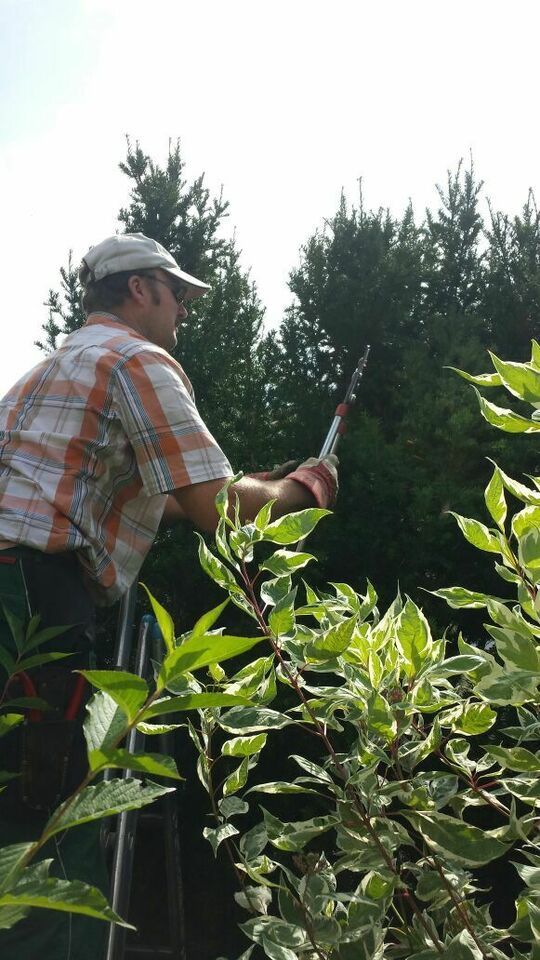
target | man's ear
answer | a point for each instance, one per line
(137, 289)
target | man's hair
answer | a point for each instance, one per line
(111, 291)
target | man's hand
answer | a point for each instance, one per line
(319, 476)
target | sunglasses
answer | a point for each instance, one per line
(179, 293)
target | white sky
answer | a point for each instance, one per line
(283, 103)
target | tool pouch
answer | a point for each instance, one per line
(47, 755)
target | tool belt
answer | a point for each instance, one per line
(47, 751)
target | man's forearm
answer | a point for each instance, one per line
(254, 493)
(196, 502)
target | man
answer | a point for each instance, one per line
(99, 444)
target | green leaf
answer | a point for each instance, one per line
(105, 799)
(413, 638)
(282, 786)
(281, 619)
(7, 661)
(515, 758)
(477, 533)
(528, 518)
(272, 591)
(465, 663)
(520, 379)
(264, 516)
(295, 835)
(254, 841)
(456, 840)
(524, 788)
(8, 721)
(474, 718)
(157, 729)
(483, 380)
(380, 717)
(294, 526)
(207, 621)
(104, 723)
(514, 648)
(244, 746)
(216, 835)
(237, 779)
(375, 670)
(256, 900)
(222, 499)
(215, 568)
(284, 562)
(163, 618)
(253, 720)
(197, 652)
(332, 642)
(232, 806)
(9, 916)
(495, 500)
(520, 491)
(128, 690)
(16, 627)
(30, 703)
(457, 597)
(192, 701)
(156, 764)
(462, 947)
(28, 663)
(412, 755)
(69, 896)
(504, 686)
(11, 858)
(529, 551)
(505, 419)
(43, 636)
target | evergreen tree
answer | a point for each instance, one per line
(512, 298)
(418, 294)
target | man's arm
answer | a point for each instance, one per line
(196, 502)
(173, 512)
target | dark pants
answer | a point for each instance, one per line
(51, 751)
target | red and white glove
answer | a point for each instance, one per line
(319, 475)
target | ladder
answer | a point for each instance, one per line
(121, 835)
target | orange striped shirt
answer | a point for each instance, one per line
(91, 441)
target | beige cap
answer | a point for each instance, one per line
(134, 251)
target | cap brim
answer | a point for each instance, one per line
(195, 288)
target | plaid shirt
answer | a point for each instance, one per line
(91, 440)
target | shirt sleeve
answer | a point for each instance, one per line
(171, 443)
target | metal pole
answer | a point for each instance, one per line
(337, 427)
(124, 847)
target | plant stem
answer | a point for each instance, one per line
(459, 905)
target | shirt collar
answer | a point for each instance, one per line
(111, 320)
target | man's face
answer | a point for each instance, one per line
(165, 309)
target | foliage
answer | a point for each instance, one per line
(402, 785)
(122, 702)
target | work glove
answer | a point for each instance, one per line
(319, 476)
(278, 472)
